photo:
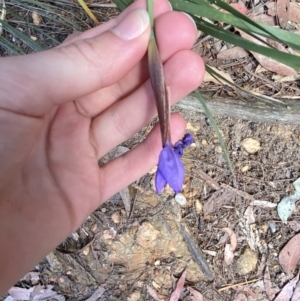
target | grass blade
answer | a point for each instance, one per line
(217, 131)
(122, 4)
(227, 36)
(20, 35)
(11, 48)
(204, 9)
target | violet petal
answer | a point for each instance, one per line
(187, 140)
(171, 168)
(160, 182)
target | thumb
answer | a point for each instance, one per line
(34, 83)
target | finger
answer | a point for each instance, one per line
(40, 81)
(183, 73)
(126, 169)
(160, 7)
(171, 39)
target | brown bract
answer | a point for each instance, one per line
(159, 90)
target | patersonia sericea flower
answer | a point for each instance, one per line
(170, 169)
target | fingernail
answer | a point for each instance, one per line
(133, 25)
(196, 29)
(170, 5)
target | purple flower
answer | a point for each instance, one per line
(170, 169)
(186, 141)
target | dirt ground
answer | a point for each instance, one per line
(125, 254)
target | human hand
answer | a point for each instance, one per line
(63, 109)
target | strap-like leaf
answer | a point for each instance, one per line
(227, 36)
(204, 9)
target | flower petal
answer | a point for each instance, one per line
(171, 168)
(160, 182)
(187, 140)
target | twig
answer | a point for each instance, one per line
(110, 5)
(191, 244)
(88, 11)
(208, 179)
(237, 284)
(241, 193)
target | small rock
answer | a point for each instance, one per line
(199, 207)
(192, 128)
(204, 142)
(107, 235)
(153, 170)
(245, 168)
(116, 217)
(251, 146)
(86, 251)
(94, 227)
(247, 262)
(135, 296)
(180, 199)
(218, 149)
(36, 18)
(155, 285)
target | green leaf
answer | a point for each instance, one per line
(227, 36)
(34, 27)
(204, 9)
(122, 4)
(216, 129)
(20, 35)
(218, 76)
(11, 48)
(44, 10)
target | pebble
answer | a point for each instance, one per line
(251, 145)
(247, 262)
(180, 199)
